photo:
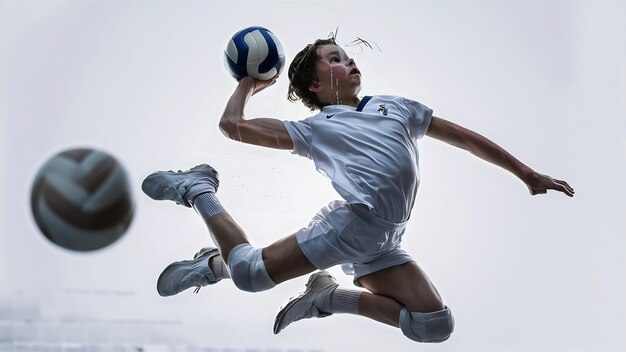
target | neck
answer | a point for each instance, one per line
(350, 101)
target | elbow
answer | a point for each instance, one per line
(229, 129)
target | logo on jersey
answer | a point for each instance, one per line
(329, 116)
(383, 109)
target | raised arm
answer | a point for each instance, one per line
(266, 132)
(485, 149)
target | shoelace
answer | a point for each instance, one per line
(195, 256)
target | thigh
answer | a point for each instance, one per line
(406, 283)
(284, 260)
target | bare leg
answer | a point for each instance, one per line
(283, 259)
(226, 233)
(395, 287)
(380, 308)
(391, 288)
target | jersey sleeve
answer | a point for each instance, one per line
(300, 134)
(419, 118)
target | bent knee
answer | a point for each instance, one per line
(247, 269)
(427, 327)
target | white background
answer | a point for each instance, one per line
(145, 81)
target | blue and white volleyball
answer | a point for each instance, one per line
(254, 52)
(82, 200)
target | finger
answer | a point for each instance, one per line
(271, 80)
(266, 83)
(564, 189)
(566, 185)
(568, 192)
(560, 182)
(569, 187)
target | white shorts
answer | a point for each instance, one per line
(343, 233)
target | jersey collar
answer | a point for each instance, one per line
(339, 108)
(363, 102)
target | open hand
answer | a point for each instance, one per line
(540, 184)
(257, 85)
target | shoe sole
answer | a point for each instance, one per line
(293, 300)
(159, 280)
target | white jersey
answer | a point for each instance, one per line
(369, 152)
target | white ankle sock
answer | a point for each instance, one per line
(207, 205)
(344, 301)
(219, 268)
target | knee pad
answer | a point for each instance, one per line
(247, 269)
(427, 327)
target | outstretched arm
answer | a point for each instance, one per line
(266, 132)
(483, 148)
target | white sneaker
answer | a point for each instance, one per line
(313, 302)
(182, 186)
(185, 274)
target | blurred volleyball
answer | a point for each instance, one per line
(255, 52)
(81, 199)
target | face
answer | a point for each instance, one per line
(339, 80)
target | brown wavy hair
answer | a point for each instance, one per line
(302, 73)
